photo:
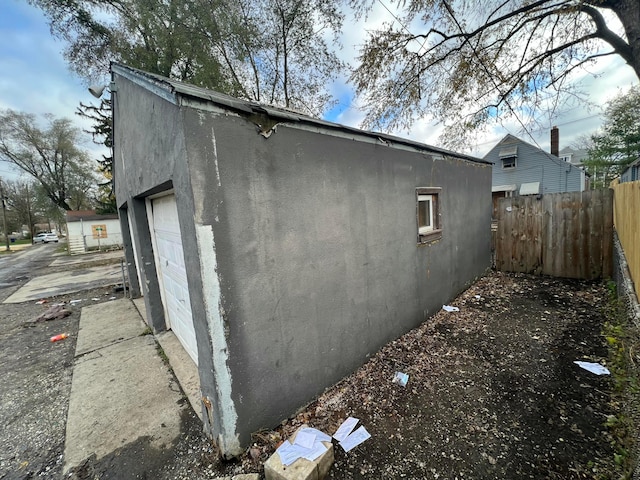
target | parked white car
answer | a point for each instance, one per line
(45, 238)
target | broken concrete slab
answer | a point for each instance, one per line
(301, 469)
(55, 284)
(183, 368)
(104, 324)
(121, 393)
(89, 257)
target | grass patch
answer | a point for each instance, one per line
(163, 356)
(622, 341)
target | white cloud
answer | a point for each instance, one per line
(39, 82)
(601, 81)
(35, 76)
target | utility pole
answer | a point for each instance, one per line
(29, 214)
(4, 214)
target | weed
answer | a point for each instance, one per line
(621, 338)
(163, 355)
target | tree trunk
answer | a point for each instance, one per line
(628, 11)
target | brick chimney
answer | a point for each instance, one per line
(555, 141)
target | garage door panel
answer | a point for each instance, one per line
(170, 258)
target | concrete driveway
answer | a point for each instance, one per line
(83, 272)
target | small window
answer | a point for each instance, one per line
(428, 214)
(509, 162)
(508, 155)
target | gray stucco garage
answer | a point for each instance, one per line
(281, 249)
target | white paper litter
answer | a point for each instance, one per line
(355, 439)
(401, 379)
(593, 367)
(307, 444)
(315, 451)
(305, 439)
(449, 308)
(345, 429)
(323, 437)
(288, 453)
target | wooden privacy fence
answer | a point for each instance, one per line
(627, 221)
(562, 235)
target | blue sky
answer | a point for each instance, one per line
(34, 78)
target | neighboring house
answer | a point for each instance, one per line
(631, 173)
(87, 230)
(520, 168)
(573, 156)
(284, 250)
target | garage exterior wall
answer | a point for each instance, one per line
(302, 247)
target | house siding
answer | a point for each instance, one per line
(631, 173)
(535, 165)
(310, 261)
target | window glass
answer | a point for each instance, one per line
(509, 162)
(428, 214)
(425, 213)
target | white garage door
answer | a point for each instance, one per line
(170, 264)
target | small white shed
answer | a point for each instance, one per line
(88, 230)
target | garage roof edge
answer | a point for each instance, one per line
(172, 89)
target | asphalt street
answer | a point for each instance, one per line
(18, 268)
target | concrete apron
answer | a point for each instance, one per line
(55, 284)
(121, 389)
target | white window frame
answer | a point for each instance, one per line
(432, 231)
(425, 229)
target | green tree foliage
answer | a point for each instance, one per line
(275, 51)
(468, 63)
(50, 155)
(101, 133)
(617, 143)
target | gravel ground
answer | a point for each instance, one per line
(492, 393)
(36, 383)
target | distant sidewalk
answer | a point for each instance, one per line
(80, 276)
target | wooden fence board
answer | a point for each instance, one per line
(607, 235)
(627, 223)
(563, 235)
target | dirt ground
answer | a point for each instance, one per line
(493, 393)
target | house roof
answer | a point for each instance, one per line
(509, 144)
(635, 163)
(88, 215)
(172, 90)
